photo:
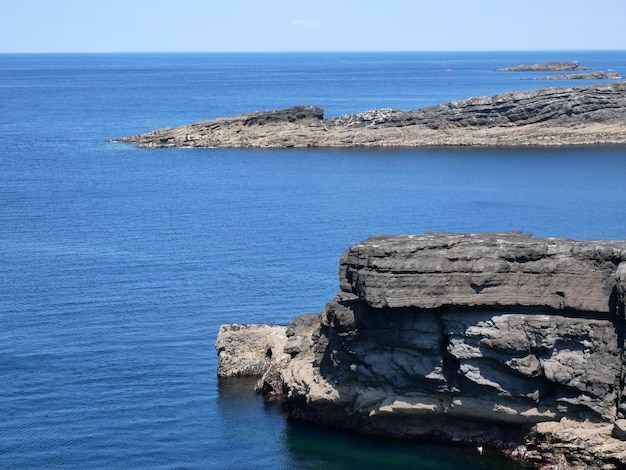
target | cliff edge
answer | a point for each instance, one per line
(491, 339)
(586, 115)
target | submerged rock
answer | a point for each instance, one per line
(492, 339)
(552, 116)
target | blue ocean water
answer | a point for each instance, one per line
(118, 265)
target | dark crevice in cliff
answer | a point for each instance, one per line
(615, 306)
(621, 339)
(450, 365)
(478, 288)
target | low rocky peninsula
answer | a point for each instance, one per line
(496, 340)
(587, 115)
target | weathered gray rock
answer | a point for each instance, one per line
(544, 67)
(495, 339)
(572, 444)
(620, 283)
(297, 113)
(249, 349)
(489, 269)
(552, 116)
(582, 76)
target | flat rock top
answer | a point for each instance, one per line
(491, 269)
(506, 241)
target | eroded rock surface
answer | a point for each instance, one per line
(245, 350)
(493, 339)
(553, 116)
(434, 270)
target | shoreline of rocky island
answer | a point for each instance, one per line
(558, 116)
(495, 340)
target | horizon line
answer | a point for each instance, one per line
(320, 51)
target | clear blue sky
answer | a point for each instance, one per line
(311, 25)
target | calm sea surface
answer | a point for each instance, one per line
(118, 265)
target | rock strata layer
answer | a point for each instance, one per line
(490, 339)
(586, 115)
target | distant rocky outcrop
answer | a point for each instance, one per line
(544, 67)
(491, 339)
(582, 76)
(585, 115)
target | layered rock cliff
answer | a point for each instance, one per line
(492, 339)
(553, 116)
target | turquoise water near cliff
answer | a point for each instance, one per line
(117, 265)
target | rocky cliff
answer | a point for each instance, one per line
(553, 116)
(493, 339)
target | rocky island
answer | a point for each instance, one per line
(583, 72)
(499, 340)
(582, 76)
(586, 115)
(544, 67)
